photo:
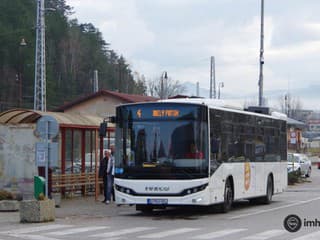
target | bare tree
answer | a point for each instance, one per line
(250, 102)
(165, 87)
(140, 86)
(290, 105)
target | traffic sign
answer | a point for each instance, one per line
(47, 152)
(47, 127)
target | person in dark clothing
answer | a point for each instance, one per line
(112, 148)
(103, 173)
(110, 176)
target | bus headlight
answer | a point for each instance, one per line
(194, 189)
(124, 190)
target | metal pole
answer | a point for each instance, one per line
(261, 103)
(198, 89)
(212, 78)
(210, 93)
(285, 104)
(220, 85)
(163, 85)
(161, 88)
(47, 158)
(40, 65)
(95, 81)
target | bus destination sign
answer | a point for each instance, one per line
(159, 113)
(165, 113)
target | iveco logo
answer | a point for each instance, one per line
(157, 189)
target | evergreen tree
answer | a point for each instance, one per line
(73, 52)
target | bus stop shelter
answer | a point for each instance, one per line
(78, 142)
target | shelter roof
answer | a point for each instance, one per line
(18, 116)
(295, 123)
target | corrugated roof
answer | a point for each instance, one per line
(128, 98)
(17, 116)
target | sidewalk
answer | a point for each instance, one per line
(74, 209)
(86, 206)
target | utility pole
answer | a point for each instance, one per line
(220, 85)
(261, 102)
(212, 78)
(198, 87)
(95, 81)
(40, 60)
(163, 85)
(286, 104)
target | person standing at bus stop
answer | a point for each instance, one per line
(103, 173)
(110, 176)
(112, 148)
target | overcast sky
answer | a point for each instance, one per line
(179, 36)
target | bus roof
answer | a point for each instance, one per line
(230, 105)
(219, 104)
(211, 103)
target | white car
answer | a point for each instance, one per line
(299, 162)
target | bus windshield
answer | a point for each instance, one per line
(173, 147)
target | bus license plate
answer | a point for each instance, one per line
(157, 201)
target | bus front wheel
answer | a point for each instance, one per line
(228, 197)
(268, 197)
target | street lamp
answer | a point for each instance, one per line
(221, 85)
(162, 84)
(22, 44)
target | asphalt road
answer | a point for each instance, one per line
(86, 219)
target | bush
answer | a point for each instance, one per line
(294, 177)
(5, 195)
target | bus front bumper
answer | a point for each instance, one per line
(200, 198)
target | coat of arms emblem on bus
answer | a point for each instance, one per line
(247, 176)
(139, 113)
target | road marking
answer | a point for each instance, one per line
(76, 230)
(219, 234)
(121, 232)
(168, 233)
(274, 209)
(311, 236)
(35, 229)
(265, 235)
(32, 237)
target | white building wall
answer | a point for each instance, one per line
(17, 158)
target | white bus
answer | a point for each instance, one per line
(197, 152)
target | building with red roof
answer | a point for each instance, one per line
(101, 103)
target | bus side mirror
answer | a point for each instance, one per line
(119, 117)
(112, 119)
(103, 129)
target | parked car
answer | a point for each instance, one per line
(318, 165)
(300, 163)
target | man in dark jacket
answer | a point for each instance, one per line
(103, 173)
